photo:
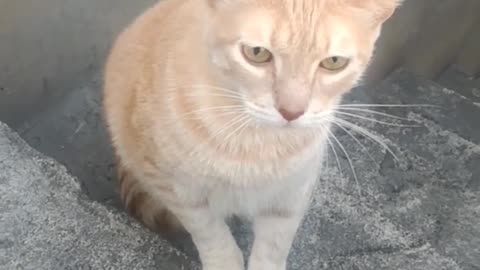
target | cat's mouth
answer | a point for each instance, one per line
(271, 117)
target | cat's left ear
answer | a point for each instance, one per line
(385, 9)
(380, 10)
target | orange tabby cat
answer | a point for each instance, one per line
(221, 107)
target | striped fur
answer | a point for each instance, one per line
(144, 206)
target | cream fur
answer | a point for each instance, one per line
(176, 78)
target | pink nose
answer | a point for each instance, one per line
(290, 115)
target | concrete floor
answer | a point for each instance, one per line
(418, 212)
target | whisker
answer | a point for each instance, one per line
(332, 146)
(375, 113)
(238, 128)
(173, 120)
(245, 121)
(368, 135)
(213, 109)
(388, 105)
(212, 95)
(196, 86)
(222, 92)
(327, 160)
(228, 125)
(209, 117)
(197, 147)
(215, 88)
(355, 139)
(194, 96)
(248, 122)
(374, 120)
(349, 161)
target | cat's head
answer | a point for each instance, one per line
(292, 60)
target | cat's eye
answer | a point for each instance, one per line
(335, 63)
(257, 55)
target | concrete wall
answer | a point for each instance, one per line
(425, 36)
(49, 47)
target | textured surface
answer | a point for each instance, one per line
(418, 212)
(47, 223)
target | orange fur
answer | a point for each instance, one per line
(175, 79)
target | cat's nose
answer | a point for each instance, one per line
(290, 115)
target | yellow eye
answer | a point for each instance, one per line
(335, 63)
(257, 55)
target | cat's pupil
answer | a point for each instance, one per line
(257, 50)
(335, 59)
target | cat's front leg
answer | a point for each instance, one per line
(275, 230)
(273, 238)
(212, 237)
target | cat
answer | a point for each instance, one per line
(221, 107)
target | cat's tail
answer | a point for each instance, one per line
(143, 205)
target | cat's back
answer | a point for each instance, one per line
(133, 49)
(137, 56)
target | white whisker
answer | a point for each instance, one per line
(245, 121)
(228, 125)
(226, 90)
(368, 135)
(374, 120)
(348, 159)
(194, 151)
(213, 109)
(388, 105)
(214, 92)
(214, 117)
(355, 139)
(212, 95)
(374, 112)
(332, 146)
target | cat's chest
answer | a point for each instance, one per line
(226, 200)
(236, 188)
(252, 197)
(257, 172)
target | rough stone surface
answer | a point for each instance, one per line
(47, 223)
(413, 206)
(73, 132)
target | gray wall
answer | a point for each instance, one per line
(425, 36)
(49, 47)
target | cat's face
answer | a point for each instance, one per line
(292, 60)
